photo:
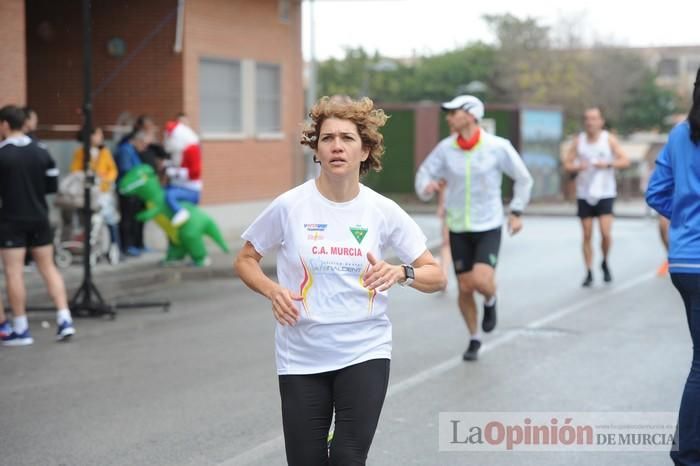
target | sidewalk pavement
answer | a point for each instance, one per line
(145, 274)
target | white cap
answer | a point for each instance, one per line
(468, 103)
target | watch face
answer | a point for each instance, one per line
(410, 273)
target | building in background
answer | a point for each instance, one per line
(234, 67)
(676, 68)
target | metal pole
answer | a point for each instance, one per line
(87, 130)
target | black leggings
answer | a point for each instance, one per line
(357, 393)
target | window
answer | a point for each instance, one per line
(283, 7)
(268, 98)
(220, 94)
(668, 67)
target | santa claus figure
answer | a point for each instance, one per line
(184, 169)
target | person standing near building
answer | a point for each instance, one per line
(593, 157)
(130, 229)
(27, 175)
(184, 170)
(333, 336)
(104, 168)
(674, 192)
(472, 163)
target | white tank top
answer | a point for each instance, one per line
(594, 184)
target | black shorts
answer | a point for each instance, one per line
(603, 207)
(25, 234)
(469, 248)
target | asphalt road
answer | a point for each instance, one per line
(197, 385)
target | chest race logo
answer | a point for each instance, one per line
(359, 233)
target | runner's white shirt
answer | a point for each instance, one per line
(594, 184)
(322, 256)
(473, 198)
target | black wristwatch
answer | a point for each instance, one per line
(516, 213)
(409, 273)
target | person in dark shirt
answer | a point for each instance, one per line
(154, 154)
(27, 175)
(130, 229)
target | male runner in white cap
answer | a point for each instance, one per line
(473, 162)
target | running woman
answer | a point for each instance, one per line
(472, 163)
(333, 336)
(592, 158)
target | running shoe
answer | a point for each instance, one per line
(489, 322)
(5, 329)
(65, 330)
(472, 352)
(18, 339)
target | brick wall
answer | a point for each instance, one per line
(160, 82)
(13, 78)
(247, 169)
(149, 82)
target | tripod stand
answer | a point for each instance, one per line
(87, 301)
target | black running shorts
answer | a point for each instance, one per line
(603, 207)
(25, 234)
(469, 248)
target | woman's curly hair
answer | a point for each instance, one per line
(361, 112)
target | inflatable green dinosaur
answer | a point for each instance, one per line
(188, 239)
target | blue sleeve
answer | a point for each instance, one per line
(659, 193)
(124, 158)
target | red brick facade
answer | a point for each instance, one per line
(152, 78)
(237, 30)
(147, 80)
(13, 80)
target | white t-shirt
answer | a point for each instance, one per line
(323, 257)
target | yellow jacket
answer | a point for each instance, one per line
(103, 165)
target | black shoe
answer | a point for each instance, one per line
(489, 322)
(472, 353)
(607, 278)
(588, 281)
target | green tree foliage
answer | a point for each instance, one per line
(528, 63)
(430, 78)
(647, 106)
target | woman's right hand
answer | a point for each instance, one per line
(283, 307)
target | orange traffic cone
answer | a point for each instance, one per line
(663, 269)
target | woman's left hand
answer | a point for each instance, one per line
(381, 275)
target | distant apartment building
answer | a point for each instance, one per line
(676, 68)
